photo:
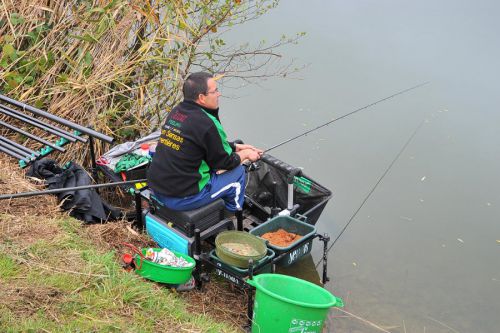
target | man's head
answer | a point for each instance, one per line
(201, 88)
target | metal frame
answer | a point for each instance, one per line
(204, 260)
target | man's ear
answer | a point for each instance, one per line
(201, 99)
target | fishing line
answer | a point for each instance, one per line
(346, 115)
(374, 188)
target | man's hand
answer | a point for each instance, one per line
(240, 147)
(249, 154)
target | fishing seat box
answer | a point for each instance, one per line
(169, 236)
(187, 221)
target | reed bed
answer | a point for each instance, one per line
(117, 66)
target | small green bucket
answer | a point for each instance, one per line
(239, 237)
(162, 273)
(288, 304)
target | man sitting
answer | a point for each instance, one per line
(194, 164)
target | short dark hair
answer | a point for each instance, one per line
(195, 84)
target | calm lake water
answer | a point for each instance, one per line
(423, 253)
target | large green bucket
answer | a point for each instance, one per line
(288, 304)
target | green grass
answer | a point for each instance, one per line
(66, 284)
(8, 267)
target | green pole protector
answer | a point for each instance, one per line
(303, 184)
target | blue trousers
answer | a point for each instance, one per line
(230, 186)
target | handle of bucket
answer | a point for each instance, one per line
(339, 303)
(251, 282)
(135, 250)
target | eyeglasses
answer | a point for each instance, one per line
(212, 92)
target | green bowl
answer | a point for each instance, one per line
(240, 237)
(162, 273)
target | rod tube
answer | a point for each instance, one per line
(60, 190)
(57, 119)
(17, 145)
(32, 136)
(36, 124)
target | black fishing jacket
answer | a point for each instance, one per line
(192, 144)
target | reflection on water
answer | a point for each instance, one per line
(422, 254)
(302, 269)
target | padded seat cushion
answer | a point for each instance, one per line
(201, 218)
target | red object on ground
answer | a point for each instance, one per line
(127, 258)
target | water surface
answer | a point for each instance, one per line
(422, 254)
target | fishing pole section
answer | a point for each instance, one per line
(372, 190)
(346, 115)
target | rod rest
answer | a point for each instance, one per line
(187, 221)
(287, 168)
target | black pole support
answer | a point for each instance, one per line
(275, 209)
(239, 220)
(325, 238)
(200, 267)
(93, 159)
(250, 294)
(197, 242)
(139, 223)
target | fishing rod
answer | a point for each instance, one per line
(346, 115)
(374, 188)
(66, 189)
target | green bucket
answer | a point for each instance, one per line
(287, 304)
(243, 238)
(163, 273)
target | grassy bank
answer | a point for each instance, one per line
(55, 279)
(57, 275)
